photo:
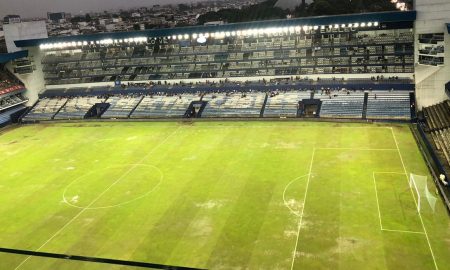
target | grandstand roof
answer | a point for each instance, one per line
(6, 57)
(381, 17)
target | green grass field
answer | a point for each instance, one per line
(218, 195)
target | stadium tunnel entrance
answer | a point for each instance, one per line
(97, 110)
(195, 109)
(309, 108)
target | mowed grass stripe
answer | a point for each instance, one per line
(198, 165)
(53, 225)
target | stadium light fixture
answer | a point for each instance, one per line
(316, 27)
(336, 26)
(363, 24)
(369, 24)
(201, 39)
(376, 23)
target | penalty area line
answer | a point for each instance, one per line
(402, 231)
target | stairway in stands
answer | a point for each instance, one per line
(263, 108)
(366, 100)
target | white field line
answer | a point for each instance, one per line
(100, 196)
(402, 231)
(401, 173)
(415, 201)
(378, 204)
(274, 126)
(303, 209)
(356, 149)
(284, 194)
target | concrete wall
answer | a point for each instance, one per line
(34, 82)
(432, 15)
(23, 30)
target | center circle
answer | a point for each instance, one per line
(112, 186)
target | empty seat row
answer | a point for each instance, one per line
(342, 105)
(121, 106)
(77, 108)
(389, 105)
(45, 109)
(284, 104)
(441, 139)
(234, 104)
(438, 116)
(162, 106)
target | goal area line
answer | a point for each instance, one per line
(378, 204)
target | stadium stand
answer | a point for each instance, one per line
(11, 101)
(342, 104)
(441, 139)
(77, 107)
(45, 109)
(5, 116)
(369, 48)
(284, 104)
(434, 128)
(9, 84)
(164, 106)
(438, 116)
(121, 106)
(234, 104)
(389, 105)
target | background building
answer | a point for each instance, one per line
(9, 19)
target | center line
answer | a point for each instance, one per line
(303, 209)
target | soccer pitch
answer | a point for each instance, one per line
(218, 195)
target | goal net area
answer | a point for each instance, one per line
(418, 183)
